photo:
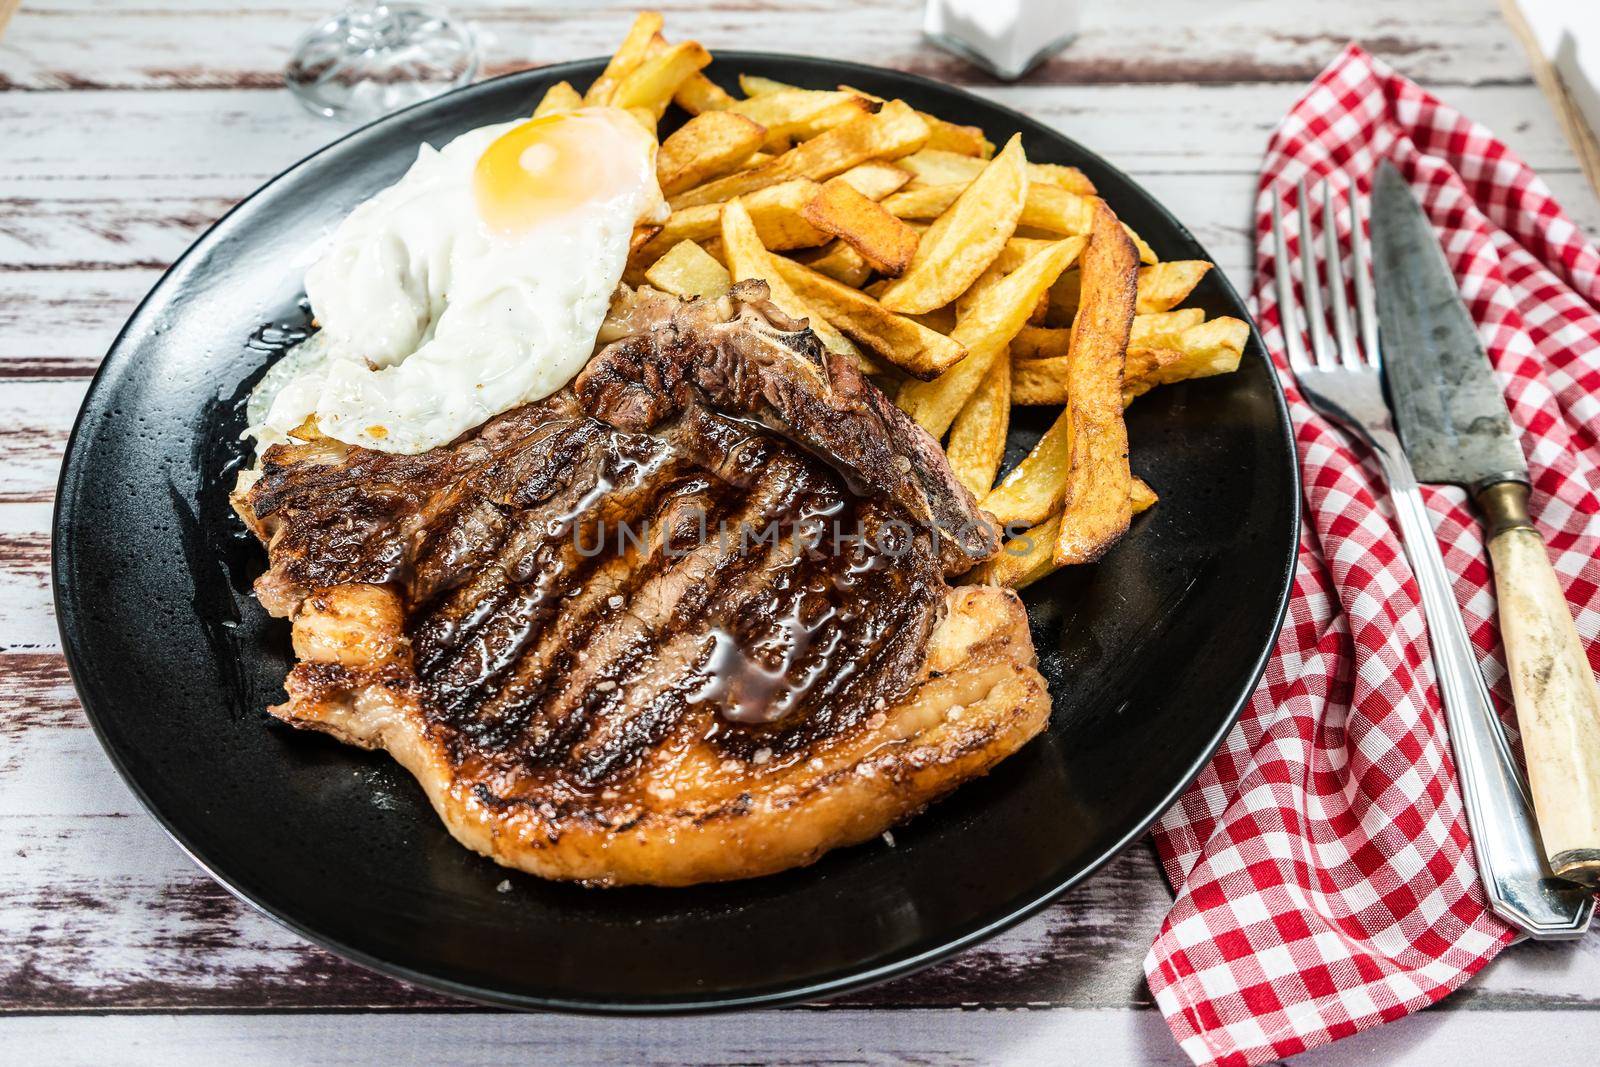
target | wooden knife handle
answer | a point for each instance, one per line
(1557, 701)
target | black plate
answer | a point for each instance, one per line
(1150, 653)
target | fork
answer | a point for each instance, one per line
(1342, 379)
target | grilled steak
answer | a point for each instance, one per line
(683, 622)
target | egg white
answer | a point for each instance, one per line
(433, 320)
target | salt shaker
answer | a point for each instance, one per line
(1007, 38)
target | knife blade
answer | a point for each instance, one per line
(1447, 404)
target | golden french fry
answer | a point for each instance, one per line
(891, 133)
(1020, 249)
(634, 49)
(902, 341)
(1080, 465)
(1164, 285)
(1040, 342)
(1038, 381)
(966, 238)
(1212, 347)
(1141, 497)
(991, 276)
(1095, 503)
(800, 114)
(934, 167)
(748, 258)
(707, 146)
(940, 320)
(873, 179)
(699, 94)
(775, 209)
(1163, 329)
(1030, 555)
(885, 242)
(838, 261)
(1004, 264)
(1147, 254)
(985, 333)
(953, 137)
(978, 436)
(689, 270)
(650, 85)
(559, 97)
(755, 85)
(645, 118)
(945, 136)
(1023, 559)
(1048, 208)
(1155, 352)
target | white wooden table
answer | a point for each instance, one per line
(125, 128)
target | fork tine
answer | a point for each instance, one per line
(1311, 288)
(1361, 267)
(1288, 317)
(1343, 324)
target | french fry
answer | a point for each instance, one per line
(755, 85)
(1039, 355)
(645, 117)
(893, 132)
(748, 258)
(873, 179)
(699, 94)
(885, 242)
(1019, 250)
(940, 320)
(559, 97)
(1048, 208)
(1004, 264)
(985, 333)
(945, 136)
(689, 270)
(900, 340)
(934, 167)
(838, 261)
(800, 114)
(775, 209)
(1096, 504)
(953, 137)
(1155, 352)
(650, 85)
(1212, 347)
(1030, 555)
(1163, 329)
(634, 49)
(966, 238)
(1164, 285)
(1023, 560)
(1147, 255)
(1040, 342)
(707, 146)
(1080, 465)
(1037, 382)
(978, 436)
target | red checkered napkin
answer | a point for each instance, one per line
(1324, 870)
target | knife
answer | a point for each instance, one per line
(1455, 429)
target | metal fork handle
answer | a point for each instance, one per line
(1505, 836)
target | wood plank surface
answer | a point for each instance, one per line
(131, 127)
(76, 45)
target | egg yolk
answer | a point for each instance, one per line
(549, 167)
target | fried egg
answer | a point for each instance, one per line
(474, 284)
